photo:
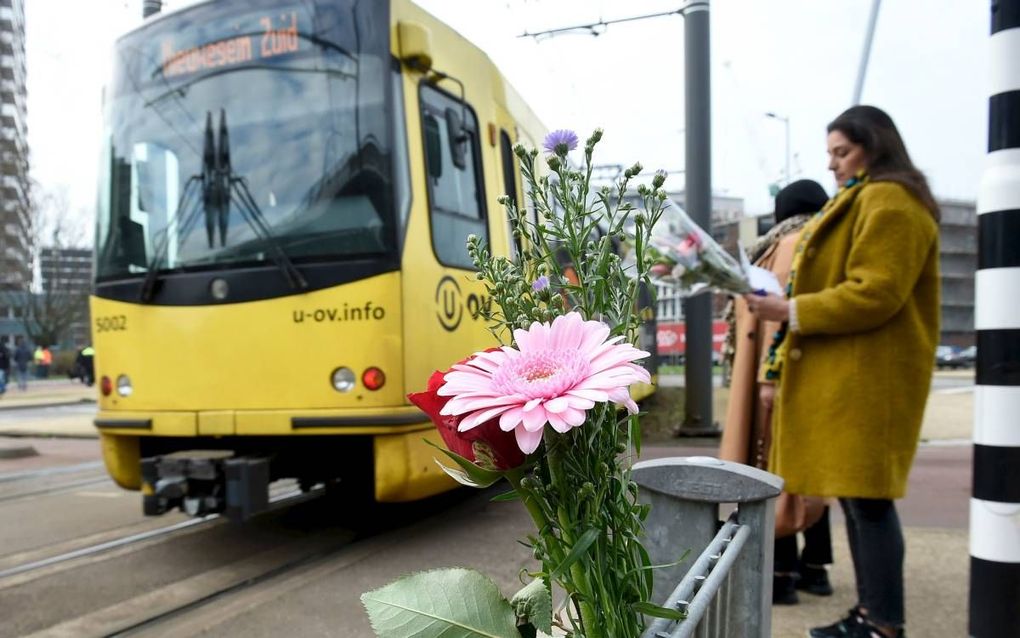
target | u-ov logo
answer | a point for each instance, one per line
(449, 307)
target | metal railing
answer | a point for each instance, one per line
(725, 581)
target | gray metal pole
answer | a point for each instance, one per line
(698, 192)
(866, 53)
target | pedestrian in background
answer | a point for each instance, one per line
(22, 355)
(5, 366)
(747, 433)
(854, 363)
(44, 363)
(85, 365)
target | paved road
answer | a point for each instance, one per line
(17, 415)
(323, 599)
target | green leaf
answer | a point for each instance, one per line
(533, 605)
(458, 475)
(649, 609)
(512, 495)
(579, 548)
(635, 434)
(477, 476)
(452, 603)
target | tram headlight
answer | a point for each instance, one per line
(219, 289)
(124, 387)
(343, 379)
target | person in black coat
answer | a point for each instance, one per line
(5, 367)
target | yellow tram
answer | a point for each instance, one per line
(286, 190)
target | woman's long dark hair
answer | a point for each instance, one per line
(886, 153)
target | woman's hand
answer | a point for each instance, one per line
(769, 308)
(767, 395)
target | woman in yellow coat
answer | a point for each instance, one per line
(747, 431)
(854, 362)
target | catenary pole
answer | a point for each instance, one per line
(995, 502)
(869, 35)
(698, 197)
(698, 194)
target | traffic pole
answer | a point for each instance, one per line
(698, 196)
(995, 502)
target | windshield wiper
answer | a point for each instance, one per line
(235, 188)
(209, 198)
(219, 187)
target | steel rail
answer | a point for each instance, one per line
(280, 500)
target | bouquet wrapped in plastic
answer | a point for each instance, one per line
(686, 256)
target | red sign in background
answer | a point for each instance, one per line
(671, 338)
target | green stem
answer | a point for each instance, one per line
(535, 510)
(590, 625)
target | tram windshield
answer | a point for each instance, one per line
(236, 130)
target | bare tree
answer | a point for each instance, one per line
(55, 302)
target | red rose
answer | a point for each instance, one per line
(486, 445)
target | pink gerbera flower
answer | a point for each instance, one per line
(557, 373)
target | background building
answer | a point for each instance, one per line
(15, 219)
(67, 277)
(958, 261)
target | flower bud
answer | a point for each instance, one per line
(503, 200)
(553, 161)
(659, 179)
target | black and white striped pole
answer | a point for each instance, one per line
(995, 505)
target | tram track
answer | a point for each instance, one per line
(206, 578)
(52, 480)
(173, 609)
(27, 564)
(206, 609)
(58, 488)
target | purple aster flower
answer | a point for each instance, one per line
(560, 142)
(540, 284)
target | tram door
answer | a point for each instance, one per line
(443, 300)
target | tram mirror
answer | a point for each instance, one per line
(433, 147)
(458, 138)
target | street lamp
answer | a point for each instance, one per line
(786, 125)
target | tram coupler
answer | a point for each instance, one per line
(201, 482)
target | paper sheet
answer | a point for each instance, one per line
(761, 280)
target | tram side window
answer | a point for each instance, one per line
(509, 186)
(457, 205)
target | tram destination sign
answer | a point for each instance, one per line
(241, 40)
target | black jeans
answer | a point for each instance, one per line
(817, 548)
(876, 545)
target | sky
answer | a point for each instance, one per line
(796, 58)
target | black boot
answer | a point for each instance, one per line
(784, 589)
(814, 580)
